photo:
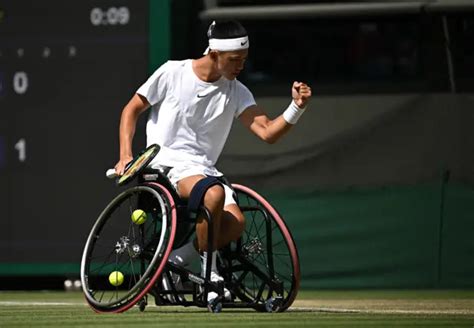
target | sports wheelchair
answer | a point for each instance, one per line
(261, 269)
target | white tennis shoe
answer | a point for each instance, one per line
(211, 296)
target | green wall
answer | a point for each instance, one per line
(160, 38)
(457, 252)
(391, 237)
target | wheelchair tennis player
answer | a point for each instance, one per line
(193, 104)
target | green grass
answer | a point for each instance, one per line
(374, 308)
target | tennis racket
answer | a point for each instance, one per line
(135, 166)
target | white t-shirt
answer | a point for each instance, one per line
(191, 119)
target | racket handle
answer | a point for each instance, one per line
(111, 174)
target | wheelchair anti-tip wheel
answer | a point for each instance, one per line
(128, 247)
(263, 266)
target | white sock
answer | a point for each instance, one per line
(214, 275)
(184, 255)
(204, 263)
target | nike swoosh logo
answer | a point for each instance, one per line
(202, 96)
(243, 43)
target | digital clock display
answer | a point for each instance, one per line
(66, 71)
(110, 16)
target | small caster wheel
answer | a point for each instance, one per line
(215, 306)
(142, 304)
(273, 304)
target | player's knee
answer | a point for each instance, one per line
(236, 225)
(239, 225)
(215, 196)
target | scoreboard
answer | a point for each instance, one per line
(67, 68)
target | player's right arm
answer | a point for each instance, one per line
(128, 122)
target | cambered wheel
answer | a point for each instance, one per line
(263, 265)
(137, 250)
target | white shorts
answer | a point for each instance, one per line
(176, 174)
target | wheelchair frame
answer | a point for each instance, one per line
(233, 259)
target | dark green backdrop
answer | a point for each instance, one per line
(391, 237)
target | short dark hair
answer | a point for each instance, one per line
(226, 30)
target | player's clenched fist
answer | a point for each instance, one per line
(301, 93)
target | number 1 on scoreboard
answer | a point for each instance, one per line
(20, 146)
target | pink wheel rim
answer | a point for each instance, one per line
(165, 257)
(288, 238)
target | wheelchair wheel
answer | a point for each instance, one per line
(264, 266)
(132, 253)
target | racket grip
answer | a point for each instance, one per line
(111, 174)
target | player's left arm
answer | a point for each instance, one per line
(257, 121)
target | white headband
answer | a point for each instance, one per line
(228, 44)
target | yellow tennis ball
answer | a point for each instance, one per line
(138, 217)
(116, 278)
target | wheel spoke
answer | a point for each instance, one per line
(133, 251)
(254, 246)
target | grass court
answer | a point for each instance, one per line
(373, 308)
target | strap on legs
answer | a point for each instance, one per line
(197, 195)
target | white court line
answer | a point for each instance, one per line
(294, 308)
(379, 311)
(27, 303)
